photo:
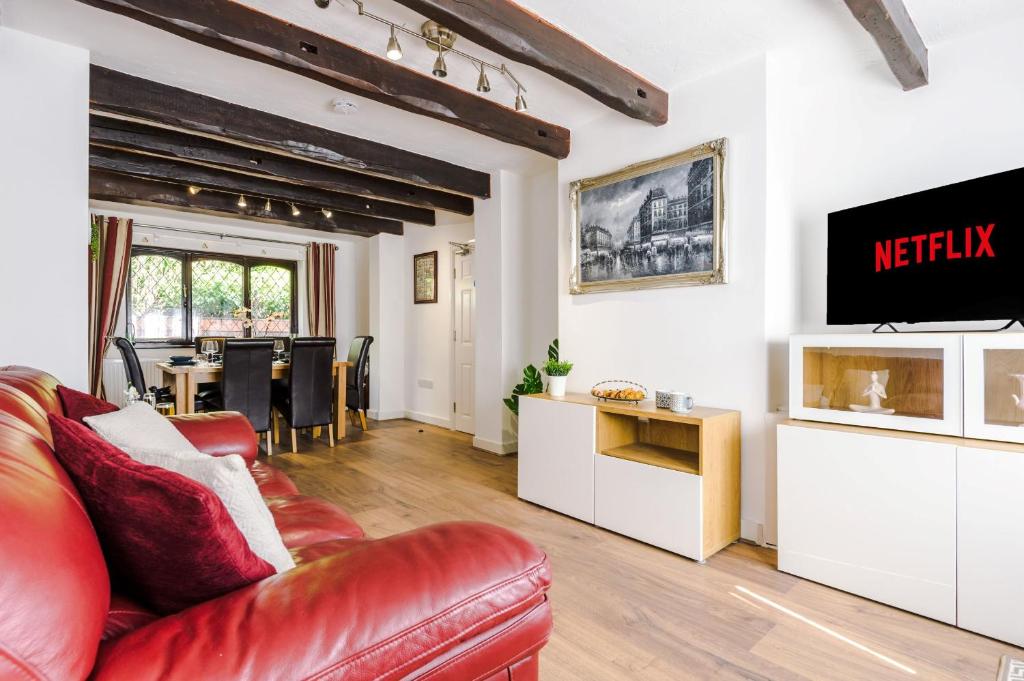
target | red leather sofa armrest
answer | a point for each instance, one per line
(376, 611)
(219, 433)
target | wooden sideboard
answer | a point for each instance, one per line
(671, 480)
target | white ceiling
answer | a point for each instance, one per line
(667, 41)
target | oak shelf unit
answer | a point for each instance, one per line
(671, 480)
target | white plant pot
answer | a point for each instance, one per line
(556, 386)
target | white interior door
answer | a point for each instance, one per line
(463, 336)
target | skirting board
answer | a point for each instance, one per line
(385, 415)
(752, 531)
(428, 418)
(499, 448)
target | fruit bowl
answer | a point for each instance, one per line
(619, 391)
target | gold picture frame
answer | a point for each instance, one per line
(637, 246)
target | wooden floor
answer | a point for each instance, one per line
(624, 610)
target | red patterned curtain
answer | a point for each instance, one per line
(109, 252)
(320, 288)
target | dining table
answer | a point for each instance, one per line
(185, 380)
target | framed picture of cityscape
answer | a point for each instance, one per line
(653, 224)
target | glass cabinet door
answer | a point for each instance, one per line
(907, 382)
(994, 386)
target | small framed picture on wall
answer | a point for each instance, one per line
(424, 277)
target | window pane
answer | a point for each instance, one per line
(217, 290)
(270, 288)
(155, 297)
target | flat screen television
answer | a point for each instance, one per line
(954, 253)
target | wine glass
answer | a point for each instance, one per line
(278, 346)
(209, 348)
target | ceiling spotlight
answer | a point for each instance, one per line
(193, 190)
(482, 84)
(267, 207)
(295, 211)
(322, 4)
(520, 100)
(241, 201)
(394, 49)
(327, 213)
(440, 69)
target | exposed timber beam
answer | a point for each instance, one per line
(119, 95)
(155, 168)
(174, 145)
(238, 29)
(107, 186)
(518, 34)
(889, 23)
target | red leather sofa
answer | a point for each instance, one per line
(456, 601)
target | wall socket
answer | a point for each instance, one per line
(425, 383)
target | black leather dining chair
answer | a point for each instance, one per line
(245, 383)
(136, 379)
(304, 398)
(357, 378)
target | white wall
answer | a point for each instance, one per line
(428, 326)
(387, 295)
(44, 194)
(708, 340)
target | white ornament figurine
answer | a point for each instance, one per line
(875, 393)
(1019, 399)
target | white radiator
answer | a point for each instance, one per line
(115, 380)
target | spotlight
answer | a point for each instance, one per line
(520, 100)
(394, 49)
(440, 69)
(322, 4)
(193, 190)
(267, 207)
(482, 84)
(295, 211)
(241, 201)
(327, 213)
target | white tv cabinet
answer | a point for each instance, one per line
(671, 480)
(930, 522)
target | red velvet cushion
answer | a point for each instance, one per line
(167, 538)
(78, 405)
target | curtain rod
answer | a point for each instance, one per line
(220, 235)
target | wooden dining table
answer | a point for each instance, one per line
(185, 380)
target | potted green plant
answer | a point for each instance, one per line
(557, 372)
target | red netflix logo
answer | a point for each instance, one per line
(973, 242)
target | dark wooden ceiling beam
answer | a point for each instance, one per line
(119, 95)
(518, 34)
(174, 145)
(108, 186)
(889, 23)
(155, 168)
(237, 29)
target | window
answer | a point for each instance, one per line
(175, 296)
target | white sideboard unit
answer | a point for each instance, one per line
(927, 521)
(671, 480)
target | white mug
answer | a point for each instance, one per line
(681, 403)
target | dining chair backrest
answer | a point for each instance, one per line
(132, 365)
(310, 381)
(246, 378)
(357, 378)
(201, 339)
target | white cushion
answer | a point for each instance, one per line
(137, 428)
(227, 476)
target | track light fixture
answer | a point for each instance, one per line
(482, 83)
(440, 68)
(520, 101)
(327, 213)
(193, 190)
(441, 39)
(295, 211)
(241, 201)
(394, 49)
(267, 207)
